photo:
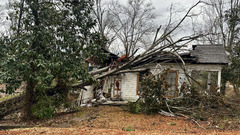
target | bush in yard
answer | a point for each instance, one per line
(152, 98)
(134, 107)
(43, 108)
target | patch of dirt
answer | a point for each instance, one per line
(117, 118)
(58, 119)
(106, 120)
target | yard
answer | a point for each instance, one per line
(115, 120)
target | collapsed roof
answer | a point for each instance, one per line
(110, 58)
(200, 54)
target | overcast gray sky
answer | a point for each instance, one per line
(3, 1)
(160, 5)
(158, 2)
(162, 8)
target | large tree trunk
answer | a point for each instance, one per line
(28, 101)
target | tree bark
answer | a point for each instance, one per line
(28, 101)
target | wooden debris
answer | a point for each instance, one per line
(11, 105)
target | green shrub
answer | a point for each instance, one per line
(172, 123)
(129, 128)
(152, 93)
(134, 107)
(43, 109)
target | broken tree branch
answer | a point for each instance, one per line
(154, 49)
(99, 71)
(179, 114)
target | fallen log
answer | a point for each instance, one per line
(99, 71)
(11, 105)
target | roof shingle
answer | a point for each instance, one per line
(210, 54)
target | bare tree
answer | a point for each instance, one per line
(213, 22)
(221, 21)
(160, 46)
(104, 22)
(132, 22)
(233, 23)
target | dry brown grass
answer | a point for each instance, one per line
(104, 120)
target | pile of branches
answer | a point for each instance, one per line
(190, 102)
(215, 108)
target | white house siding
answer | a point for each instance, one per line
(129, 81)
(88, 94)
(129, 86)
(155, 69)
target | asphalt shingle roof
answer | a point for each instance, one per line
(210, 54)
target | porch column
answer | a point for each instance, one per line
(209, 82)
(219, 78)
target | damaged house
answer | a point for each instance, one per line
(203, 66)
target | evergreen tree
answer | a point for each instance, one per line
(47, 51)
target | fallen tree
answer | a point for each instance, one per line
(162, 45)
